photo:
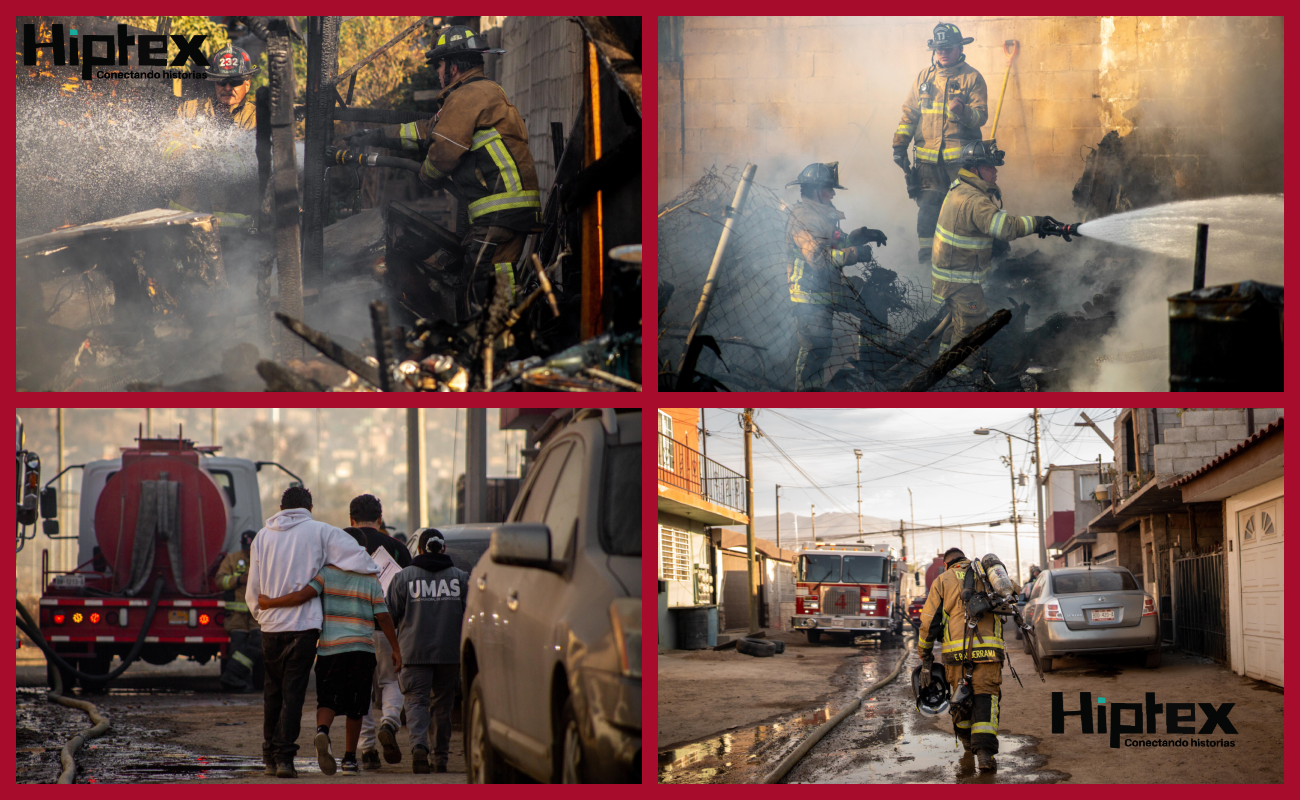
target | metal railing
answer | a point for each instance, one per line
(689, 470)
(1198, 606)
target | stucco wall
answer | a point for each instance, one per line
(785, 91)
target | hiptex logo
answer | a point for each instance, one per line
(152, 49)
(1179, 713)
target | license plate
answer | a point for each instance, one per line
(1103, 614)
(178, 618)
(70, 581)
(837, 623)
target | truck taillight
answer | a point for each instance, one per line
(1052, 611)
(94, 618)
(77, 617)
(1148, 606)
(59, 619)
(204, 619)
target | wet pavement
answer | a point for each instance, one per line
(885, 741)
(128, 753)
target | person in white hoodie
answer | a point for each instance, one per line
(285, 556)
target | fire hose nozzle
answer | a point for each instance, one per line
(1050, 227)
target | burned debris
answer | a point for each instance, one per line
(348, 274)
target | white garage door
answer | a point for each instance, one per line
(1260, 529)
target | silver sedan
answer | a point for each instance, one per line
(1078, 611)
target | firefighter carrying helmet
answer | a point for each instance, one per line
(933, 699)
(458, 39)
(947, 35)
(230, 62)
(820, 175)
(981, 154)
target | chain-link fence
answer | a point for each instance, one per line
(878, 331)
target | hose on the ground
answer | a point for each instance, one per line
(33, 631)
(68, 766)
(776, 775)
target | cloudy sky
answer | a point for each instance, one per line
(952, 473)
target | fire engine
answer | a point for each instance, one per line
(848, 590)
(167, 511)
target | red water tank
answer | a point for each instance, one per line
(199, 519)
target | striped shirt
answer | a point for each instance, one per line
(349, 603)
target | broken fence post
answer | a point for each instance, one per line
(710, 283)
(958, 353)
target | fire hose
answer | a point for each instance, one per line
(776, 775)
(352, 157)
(68, 771)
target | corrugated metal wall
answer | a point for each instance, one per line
(542, 75)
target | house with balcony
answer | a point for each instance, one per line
(695, 495)
(1174, 544)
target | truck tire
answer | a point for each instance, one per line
(814, 636)
(780, 647)
(756, 647)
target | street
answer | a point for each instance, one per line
(888, 741)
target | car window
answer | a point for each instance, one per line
(465, 553)
(1038, 588)
(620, 529)
(1092, 581)
(533, 507)
(562, 512)
(225, 481)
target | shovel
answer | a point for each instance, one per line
(1012, 48)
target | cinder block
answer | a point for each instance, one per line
(1054, 58)
(767, 115)
(1188, 464)
(1075, 84)
(698, 66)
(1119, 85)
(821, 91)
(1210, 433)
(731, 115)
(1265, 417)
(700, 115)
(1201, 449)
(1164, 466)
(1149, 28)
(693, 137)
(710, 90)
(1173, 451)
(1050, 114)
(1194, 418)
(1070, 141)
(730, 67)
(1236, 433)
(1125, 34)
(1082, 30)
(1085, 56)
(1180, 435)
(1085, 114)
(816, 40)
(1229, 416)
(778, 90)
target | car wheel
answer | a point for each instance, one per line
(572, 762)
(1153, 659)
(1044, 661)
(756, 647)
(482, 762)
(814, 636)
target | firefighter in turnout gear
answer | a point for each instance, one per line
(818, 252)
(230, 108)
(970, 223)
(476, 146)
(978, 653)
(243, 669)
(944, 110)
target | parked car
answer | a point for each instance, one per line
(1082, 611)
(551, 645)
(914, 611)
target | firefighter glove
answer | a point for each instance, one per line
(900, 158)
(374, 137)
(927, 661)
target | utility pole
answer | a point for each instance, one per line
(912, 505)
(416, 486)
(475, 465)
(941, 547)
(813, 506)
(858, 454)
(704, 436)
(748, 420)
(778, 516)
(1015, 523)
(1038, 457)
(214, 426)
(148, 423)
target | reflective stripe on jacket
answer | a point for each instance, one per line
(927, 120)
(943, 620)
(817, 253)
(969, 221)
(229, 578)
(479, 143)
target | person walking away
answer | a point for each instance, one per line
(979, 654)
(243, 670)
(352, 605)
(291, 550)
(945, 109)
(366, 513)
(427, 600)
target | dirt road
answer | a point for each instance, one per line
(172, 724)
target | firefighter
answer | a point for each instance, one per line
(818, 252)
(943, 620)
(946, 106)
(243, 670)
(230, 108)
(476, 145)
(969, 224)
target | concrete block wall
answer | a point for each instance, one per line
(1205, 434)
(786, 91)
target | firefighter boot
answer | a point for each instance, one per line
(984, 761)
